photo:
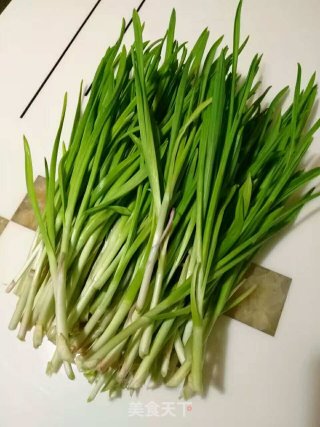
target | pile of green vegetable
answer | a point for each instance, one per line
(176, 173)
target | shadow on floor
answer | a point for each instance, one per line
(216, 354)
(315, 394)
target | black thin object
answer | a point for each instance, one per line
(125, 30)
(59, 59)
(3, 5)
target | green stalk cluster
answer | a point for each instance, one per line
(176, 173)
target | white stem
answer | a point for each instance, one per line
(166, 358)
(156, 242)
(179, 347)
(32, 293)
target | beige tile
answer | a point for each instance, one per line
(3, 224)
(24, 214)
(262, 309)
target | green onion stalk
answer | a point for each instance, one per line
(177, 171)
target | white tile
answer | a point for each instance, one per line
(267, 381)
(32, 36)
(27, 59)
(15, 243)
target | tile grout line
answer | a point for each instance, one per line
(65, 51)
(59, 60)
(125, 30)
